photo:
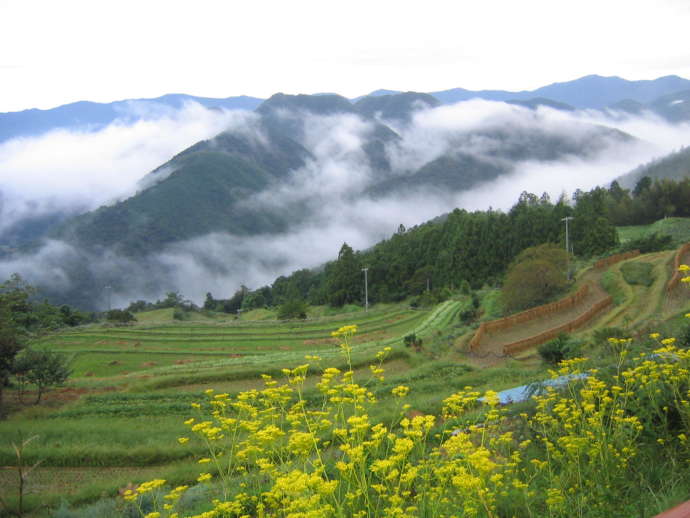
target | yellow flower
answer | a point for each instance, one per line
(400, 391)
(183, 440)
(683, 268)
(203, 477)
(345, 331)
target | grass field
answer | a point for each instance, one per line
(130, 380)
(678, 228)
(132, 387)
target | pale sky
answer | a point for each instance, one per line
(57, 52)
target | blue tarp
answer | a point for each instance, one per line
(524, 392)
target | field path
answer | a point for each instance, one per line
(490, 349)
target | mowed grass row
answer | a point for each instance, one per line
(105, 354)
(247, 367)
(199, 337)
(210, 328)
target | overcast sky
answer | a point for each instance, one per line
(56, 52)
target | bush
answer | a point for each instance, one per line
(652, 243)
(601, 337)
(292, 309)
(637, 272)
(559, 349)
(537, 274)
(120, 316)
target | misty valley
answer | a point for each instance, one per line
(456, 303)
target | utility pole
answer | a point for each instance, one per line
(109, 288)
(366, 290)
(567, 246)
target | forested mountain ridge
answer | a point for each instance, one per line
(473, 248)
(210, 187)
(674, 166)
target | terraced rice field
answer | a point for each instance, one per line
(132, 386)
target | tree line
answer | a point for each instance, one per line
(471, 248)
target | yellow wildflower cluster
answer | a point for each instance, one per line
(346, 331)
(273, 453)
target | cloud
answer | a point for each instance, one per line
(63, 170)
(330, 190)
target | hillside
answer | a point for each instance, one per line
(673, 107)
(674, 166)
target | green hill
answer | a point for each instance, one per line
(674, 166)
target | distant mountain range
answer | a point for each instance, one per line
(86, 115)
(593, 92)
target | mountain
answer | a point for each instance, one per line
(208, 187)
(674, 107)
(591, 91)
(538, 102)
(197, 192)
(298, 163)
(204, 188)
(674, 166)
(398, 107)
(481, 156)
(85, 115)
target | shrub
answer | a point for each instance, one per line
(651, 243)
(536, 275)
(560, 348)
(637, 272)
(120, 316)
(292, 309)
